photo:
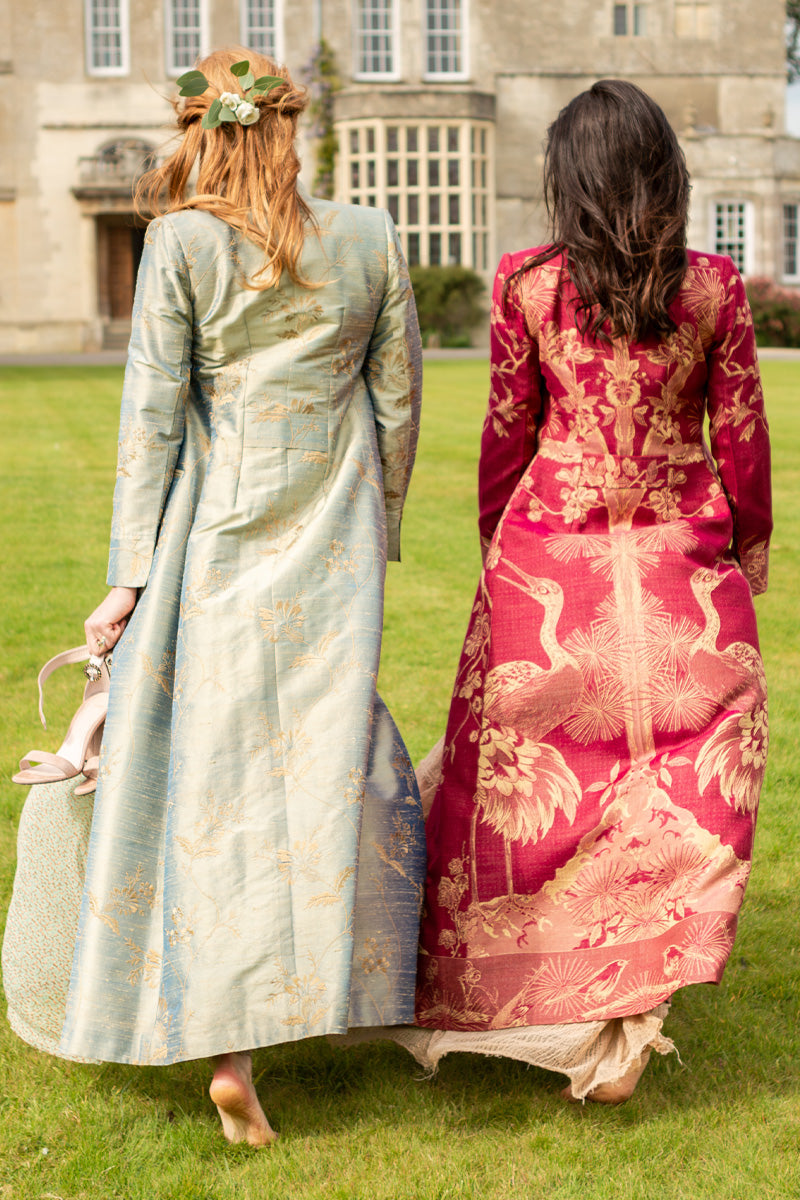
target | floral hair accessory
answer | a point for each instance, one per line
(230, 106)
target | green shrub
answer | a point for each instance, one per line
(448, 303)
(776, 312)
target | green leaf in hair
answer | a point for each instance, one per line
(266, 83)
(211, 119)
(193, 83)
(240, 68)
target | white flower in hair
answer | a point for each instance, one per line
(246, 113)
(230, 106)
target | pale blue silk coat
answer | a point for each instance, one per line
(257, 851)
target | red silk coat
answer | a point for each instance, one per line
(590, 841)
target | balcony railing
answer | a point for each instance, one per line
(117, 167)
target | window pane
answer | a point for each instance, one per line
(730, 231)
(444, 37)
(426, 177)
(259, 26)
(639, 20)
(620, 20)
(105, 20)
(790, 239)
(185, 32)
(375, 37)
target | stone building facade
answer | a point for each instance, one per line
(440, 114)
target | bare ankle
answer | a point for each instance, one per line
(232, 1091)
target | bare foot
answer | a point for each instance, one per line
(232, 1091)
(620, 1089)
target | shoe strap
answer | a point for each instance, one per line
(91, 766)
(76, 655)
(43, 757)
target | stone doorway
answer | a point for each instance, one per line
(119, 248)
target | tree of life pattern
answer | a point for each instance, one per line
(590, 840)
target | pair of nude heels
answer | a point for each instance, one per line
(79, 752)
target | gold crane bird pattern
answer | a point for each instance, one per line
(590, 839)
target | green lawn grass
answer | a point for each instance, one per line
(362, 1125)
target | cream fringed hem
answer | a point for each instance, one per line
(588, 1052)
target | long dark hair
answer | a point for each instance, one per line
(617, 194)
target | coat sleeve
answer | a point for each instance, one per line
(509, 431)
(393, 372)
(157, 379)
(738, 432)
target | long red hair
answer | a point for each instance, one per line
(246, 175)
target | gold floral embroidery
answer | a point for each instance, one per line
(522, 784)
(285, 621)
(134, 442)
(163, 674)
(336, 560)
(134, 896)
(182, 928)
(202, 584)
(336, 894)
(300, 314)
(375, 957)
(304, 992)
(145, 965)
(216, 819)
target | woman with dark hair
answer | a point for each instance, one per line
(590, 837)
